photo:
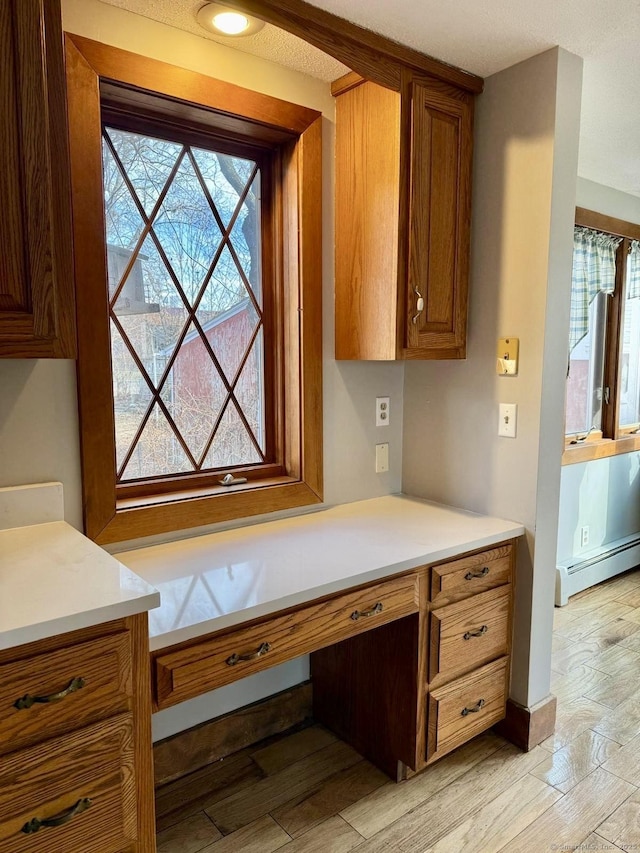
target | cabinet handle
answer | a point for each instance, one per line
(419, 306)
(466, 711)
(357, 614)
(236, 658)
(469, 634)
(28, 700)
(481, 574)
(36, 823)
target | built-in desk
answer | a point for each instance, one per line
(404, 604)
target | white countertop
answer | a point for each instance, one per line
(221, 579)
(53, 579)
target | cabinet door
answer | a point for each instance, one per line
(36, 287)
(367, 222)
(439, 220)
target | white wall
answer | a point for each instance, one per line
(38, 409)
(603, 494)
(527, 128)
(607, 201)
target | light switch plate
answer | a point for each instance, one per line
(508, 420)
(507, 363)
(382, 458)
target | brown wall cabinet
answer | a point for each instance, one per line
(403, 206)
(37, 318)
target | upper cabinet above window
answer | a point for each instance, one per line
(37, 318)
(403, 188)
(403, 207)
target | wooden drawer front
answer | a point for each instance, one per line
(48, 780)
(472, 574)
(103, 665)
(209, 664)
(469, 633)
(466, 707)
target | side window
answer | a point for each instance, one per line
(630, 358)
(602, 413)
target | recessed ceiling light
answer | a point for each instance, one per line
(225, 21)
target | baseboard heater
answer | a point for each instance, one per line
(607, 562)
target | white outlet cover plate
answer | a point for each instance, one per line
(382, 458)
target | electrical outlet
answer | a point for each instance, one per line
(584, 536)
(383, 410)
(382, 458)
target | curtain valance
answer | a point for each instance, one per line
(594, 270)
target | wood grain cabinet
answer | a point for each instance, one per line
(75, 743)
(403, 206)
(37, 318)
(411, 691)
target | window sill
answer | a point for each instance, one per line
(191, 494)
(136, 518)
(590, 450)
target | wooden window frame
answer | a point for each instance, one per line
(98, 74)
(611, 440)
(269, 161)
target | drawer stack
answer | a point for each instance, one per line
(469, 647)
(412, 690)
(68, 753)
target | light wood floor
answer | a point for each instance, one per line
(579, 790)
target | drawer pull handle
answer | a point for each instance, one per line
(466, 711)
(481, 574)
(28, 700)
(235, 658)
(469, 634)
(35, 824)
(359, 614)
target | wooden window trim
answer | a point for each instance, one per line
(613, 440)
(611, 225)
(111, 516)
(600, 449)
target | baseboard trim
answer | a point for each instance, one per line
(196, 747)
(527, 727)
(617, 557)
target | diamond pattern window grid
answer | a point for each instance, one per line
(187, 446)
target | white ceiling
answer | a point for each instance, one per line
(270, 42)
(485, 37)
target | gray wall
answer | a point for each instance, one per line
(39, 428)
(603, 494)
(527, 128)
